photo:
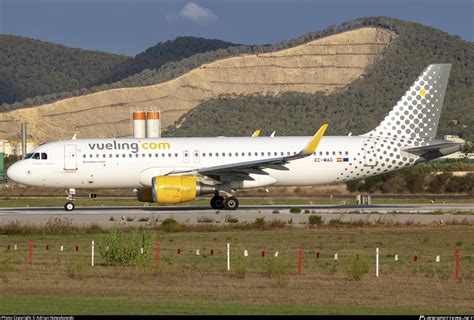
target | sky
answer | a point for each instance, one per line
(130, 26)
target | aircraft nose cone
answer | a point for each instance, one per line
(14, 172)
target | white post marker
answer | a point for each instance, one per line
(228, 257)
(246, 253)
(335, 256)
(377, 262)
(438, 259)
(61, 248)
(15, 247)
(197, 252)
(276, 254)
(396, 257)
(92, 260)
(141, 250)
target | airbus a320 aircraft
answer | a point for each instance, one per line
(174, 170)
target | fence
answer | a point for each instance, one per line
(297, 254)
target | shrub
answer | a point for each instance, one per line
(295, 210)
(275, 212)
(277, 268)
(231, 219)
(260, 222)
(356, 268)
(315, 220)
(306, 211)
(122, 248)
(239, 267)
(170, 225)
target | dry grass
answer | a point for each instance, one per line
(424, 285)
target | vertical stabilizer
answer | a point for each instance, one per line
(416, 115)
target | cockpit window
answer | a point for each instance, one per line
(37, 156)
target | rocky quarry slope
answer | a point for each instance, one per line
(319, 66)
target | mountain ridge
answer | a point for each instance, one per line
(355, 107)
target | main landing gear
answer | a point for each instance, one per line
(227, 203)
(71, 196)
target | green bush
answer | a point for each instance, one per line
(260, 222)
(357, 268)
(278, 269)
(315, 220)
(123, 248)
(239, 267)
(295, 210)
(171, 225)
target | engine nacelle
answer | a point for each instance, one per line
(174, 189)
(144, 195)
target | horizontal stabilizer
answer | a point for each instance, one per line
(434, 150)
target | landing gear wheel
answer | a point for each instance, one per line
(231, 203)
(217, 202)
(69, 206)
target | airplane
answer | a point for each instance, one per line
(174, 170)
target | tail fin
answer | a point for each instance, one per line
(416, 115)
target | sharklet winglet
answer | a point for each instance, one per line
(313, 144)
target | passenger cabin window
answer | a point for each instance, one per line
(44, 156)
(28, 155)
(36, 156)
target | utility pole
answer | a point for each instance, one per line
(23, 140)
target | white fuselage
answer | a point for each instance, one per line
(132, 163)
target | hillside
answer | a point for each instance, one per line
(165, 52)
(322, 65)
(29, 68)
(360, 106)
(348, 75)
(35, 72)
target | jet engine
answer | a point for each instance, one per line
(174, 189)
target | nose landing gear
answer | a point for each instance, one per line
(71, 196)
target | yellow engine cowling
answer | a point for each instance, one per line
(173, 189)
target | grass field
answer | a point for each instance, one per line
(65, 282)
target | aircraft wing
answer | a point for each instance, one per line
(242, 170)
